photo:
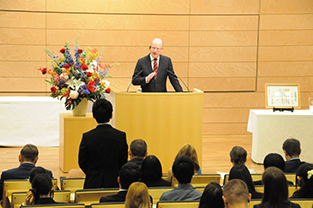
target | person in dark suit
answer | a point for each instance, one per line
(103, 150)
(137, 151)
(292, 152)
(129, 173)
(152, 70)
(28, 158)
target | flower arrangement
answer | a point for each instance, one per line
(77, 78)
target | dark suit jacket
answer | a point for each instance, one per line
(102, 153)
(286, 205)
(165, 69)
(119, 197)
(22, 172)
(292, 165)
(158, 183)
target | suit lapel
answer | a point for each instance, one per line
(148, 63)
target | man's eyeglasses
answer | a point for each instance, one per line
(155, 49)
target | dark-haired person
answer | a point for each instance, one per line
(275, 190)
(212, 196)
(28, 158)
(304, 180)
(151, 172)
(292, 152)
(103, 150)
(241, 172)
(238, 155)
(273, 160)
(183, 170)
(137, 151)
(151, 71)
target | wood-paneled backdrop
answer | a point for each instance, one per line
(227, 48)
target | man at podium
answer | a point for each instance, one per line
(152, 70)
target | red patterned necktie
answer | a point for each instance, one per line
(155, 67)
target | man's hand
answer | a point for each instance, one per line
(150, 76)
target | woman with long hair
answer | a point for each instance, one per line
(240, 171)
(137, 196)
(275, 190)
(212, 196)
(304, 178)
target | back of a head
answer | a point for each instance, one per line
(183, 169)
(242, 172)
(151, 168)
(41, 184)
(238, 155)
(191, 152)
(137, 196)
(102, 110)
(129, 173)
(138, 148)
(236, 192)
(305, 172)
(35, 171)
(292, 147)
(274, 160)
(29, 153)
(275, 186)
(212, 196)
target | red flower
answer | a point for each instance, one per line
(53, 89)
(91, 88)
(43, 70)
(92, 83)
(67, 66)
(62, 50)
(108, 90)
(80, 50)
(84, 67)
(89, 74)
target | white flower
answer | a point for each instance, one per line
(73, 94)
(74, 83)
(310, 173)
(106, 83)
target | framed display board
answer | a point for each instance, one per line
(282, 96)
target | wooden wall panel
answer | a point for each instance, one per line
(226, 115)
(21, 53)
(22, 36)
(23, 85)
(22, 19)
(222, 69)
(286, 6)
(24, 5)
(224, 6)
(121, 6)
(117, 22)
(306, 83)
(224, 23)
(286, 22)
(288, 69)
(286, 38)
(225, 129)
(223, 84)
(11, 69)
(286, 53)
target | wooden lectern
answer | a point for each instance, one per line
(166, 121)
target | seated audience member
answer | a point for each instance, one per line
(273, 160)
(183, 170)
(42, 190)
(137, 151)
(128, 174)
(275, 190)
(241, 172)
(292, 152)
(238, 155)
(28, 158)
(212, 196)
(236, 194)
(138, 196)
(151, 172)
(35, 171)
(189, 151)
(304, 180)
(75, 173)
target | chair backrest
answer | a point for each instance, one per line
(72, 184)
(201, 180)
(108, 205)
(156, 192)
(257, 177)
(90, 196)
(56, 206)
(175, 204)
(254, 202)
(19, 197)
(304, 203)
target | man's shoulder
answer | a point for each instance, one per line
(119, 197)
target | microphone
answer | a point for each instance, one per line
(133, 79)
(179, 79)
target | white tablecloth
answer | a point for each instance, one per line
(270, 129)
(32, 120)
